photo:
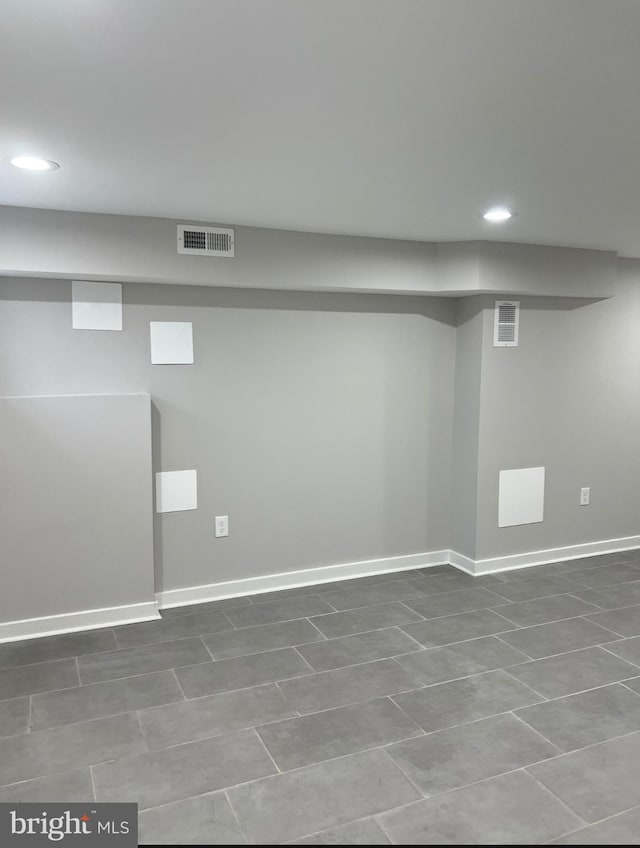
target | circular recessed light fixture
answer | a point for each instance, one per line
(34, 163)
(497, 214)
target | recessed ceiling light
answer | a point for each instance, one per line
(497, 214)
(34, 163)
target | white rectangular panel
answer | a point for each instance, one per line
(96, 306)
(176, 491)
(521, 496)
(171, 342)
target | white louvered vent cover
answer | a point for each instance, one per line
(205, 241)
(505, 327)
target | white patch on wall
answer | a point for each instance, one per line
(521, 496)
(171, 342)
(176, 490)
(96, 306)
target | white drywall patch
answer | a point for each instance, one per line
(96, 306)
(171, 342)
(176, 490)
(521, 496)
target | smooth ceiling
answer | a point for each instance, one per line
(398, 118)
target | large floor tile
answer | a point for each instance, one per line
(434, 585)
(207, 606)
(70, 747)
(368, 618)
(241, 672)
(174, 627)
(536, 587)
(269, 613)
(96, 668)
(264, 637)
(361, 832)
(542, 610)
(508, 810)
(206, 820)
(347, 685)
(586, 718)
(83, 703)
(613, 597)
(557, 637)
(461, 755)
(623, 829)
(457, 628)
(321, 796)
(321, 736)
(365, 596)
(461, 701)
(449, 603)
(363, 647)
(587, 563)
(438, 665)
(628, 649)
(183, 771)
(596, 782)
(56, 647)
(70, 786)
(610, 575)
(42, 677)
(213, 715)
(14, 716)
(624, 622)
(573, 672)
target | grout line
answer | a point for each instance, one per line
(527, 686)
(403, 772)
(93, 784)
(306, 662)
(206, 647)
(142, 733)
(225, 792)
(624, 659)
(537, 732)
(29, 717)
(184, 694)
(262, 742)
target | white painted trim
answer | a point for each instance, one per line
(51, 625)
(294, 579)
(495, 565)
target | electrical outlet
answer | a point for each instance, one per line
(222, 526)
(585, 495)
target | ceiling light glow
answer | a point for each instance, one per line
(34, 163)
(497, 214)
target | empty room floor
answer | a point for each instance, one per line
(417, 707)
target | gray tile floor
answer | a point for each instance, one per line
(425, 707)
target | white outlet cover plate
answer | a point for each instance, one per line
(171, 342)
(176, 490)
(521, 496)
(96, 306)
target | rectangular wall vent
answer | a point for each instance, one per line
(205, 241)
(506, 323)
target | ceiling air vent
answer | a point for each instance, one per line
(205, 241)
(505, 327)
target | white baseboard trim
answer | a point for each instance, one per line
(51, 625)
(295, 579)
(494, 565)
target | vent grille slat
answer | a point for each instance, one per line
(205, 241)
(506, 323)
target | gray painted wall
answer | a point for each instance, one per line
(45, 243)
(75, 489)
(321, 424)
(466, 425)
(567, 398)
